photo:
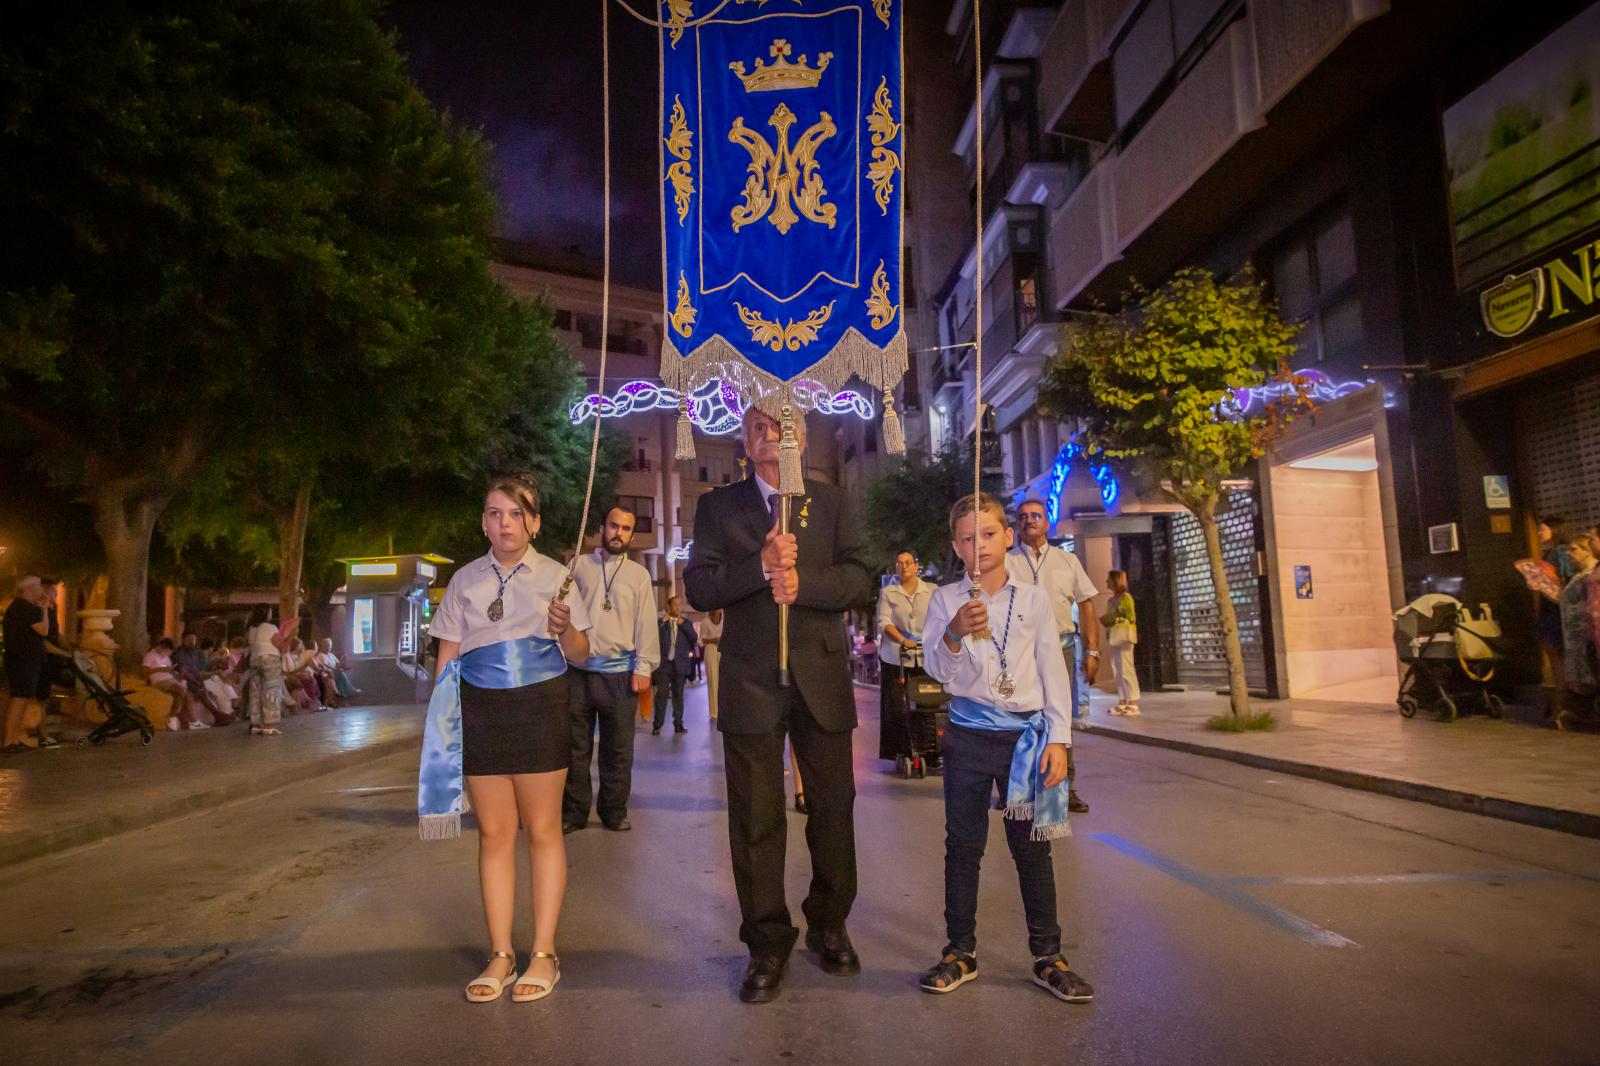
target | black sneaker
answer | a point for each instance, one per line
(679, 729)
(1055, 977)
(1076, 804)
(568, 828)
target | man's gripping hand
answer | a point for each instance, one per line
(780, 552)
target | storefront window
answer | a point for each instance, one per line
(361, 627)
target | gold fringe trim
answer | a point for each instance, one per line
(854, 356)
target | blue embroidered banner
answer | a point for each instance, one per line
(782, 161)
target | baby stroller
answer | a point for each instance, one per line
(122, 714)
(1449, 656)
(927, 710)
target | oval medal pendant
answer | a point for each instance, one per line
(608, 605)
(1005, 686)
(497, 610)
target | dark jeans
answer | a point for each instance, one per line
(758, 829)
(975, 762)
(668, 679)
(606, 699)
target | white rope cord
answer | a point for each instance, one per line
(605, 278)
(978, 279)
(665, 26)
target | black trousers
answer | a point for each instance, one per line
(758, 829)
(668, 680)
(975, 762)
(606, 699)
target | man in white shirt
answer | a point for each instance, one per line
(624, 648)
(1062, 577)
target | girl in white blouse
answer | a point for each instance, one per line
(501, 618)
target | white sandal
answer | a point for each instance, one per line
(499, 984)
(542, 988)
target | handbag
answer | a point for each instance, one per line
(1122, 634)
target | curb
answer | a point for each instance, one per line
(105, 826)
(1574, 822)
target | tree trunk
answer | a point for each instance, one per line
(292, 553)
(125, 524)
(1238, 690)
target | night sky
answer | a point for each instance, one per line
(527, 73)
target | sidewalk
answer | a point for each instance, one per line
(53, 800)
(1497, 768)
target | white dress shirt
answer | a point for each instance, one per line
(463, 614)
(709, 630)
(1033, 654)
(905, 611)
(630, 625)
(1059, 574)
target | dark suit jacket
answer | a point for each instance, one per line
(730, 528)
(677, 645)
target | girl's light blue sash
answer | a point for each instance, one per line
(441, 787)
(1026, 796)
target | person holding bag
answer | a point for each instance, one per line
(1122, 633)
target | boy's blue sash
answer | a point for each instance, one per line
(1026, 796)
(609, 664)
(441, 787)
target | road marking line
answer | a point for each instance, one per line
(1387, 879)
(1229, 893)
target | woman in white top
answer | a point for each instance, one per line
(500, 617)
(902, 612)
(264, 691)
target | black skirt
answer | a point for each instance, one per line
(514, 730)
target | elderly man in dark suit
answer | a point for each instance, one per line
(677, 652)
(741, 565)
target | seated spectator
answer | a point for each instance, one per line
(159, 672)
(336, 665)
(299, 679)
(189, 665)
(325, 667)
(220, 681)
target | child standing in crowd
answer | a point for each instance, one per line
(1010, 724)
(498, 728)
(1122, 633)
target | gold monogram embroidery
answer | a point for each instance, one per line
(885, 161)
(793, 336)
(779, 177)
(878, 306)
(679, 144)
(682, 316)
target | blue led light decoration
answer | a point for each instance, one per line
(714, 407)
(1110, 489)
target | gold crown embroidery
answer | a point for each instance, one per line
(782, 74)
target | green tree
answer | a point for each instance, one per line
(1155, 386)
(908, 505)
(240, 240)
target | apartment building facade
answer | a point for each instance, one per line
(1410, 177)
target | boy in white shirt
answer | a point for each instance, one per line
(1010, 725)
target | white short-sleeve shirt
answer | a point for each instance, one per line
(463, 614)
(1059, 574)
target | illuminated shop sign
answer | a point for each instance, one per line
(714, 407)
(1558, 292)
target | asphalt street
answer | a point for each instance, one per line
(1224, 914)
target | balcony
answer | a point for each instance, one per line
(1292, 37)
(1207, 114)
(1075, 92)
(1082, 235)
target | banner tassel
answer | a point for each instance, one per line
(791, 476)
(685, 448)
(894, 437)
